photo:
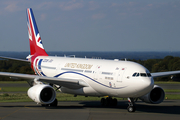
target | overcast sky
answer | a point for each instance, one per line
(87, 25)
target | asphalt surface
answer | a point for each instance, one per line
(91, 110)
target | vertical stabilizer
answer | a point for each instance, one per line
(36, 46)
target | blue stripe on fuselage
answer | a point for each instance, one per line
(90, 79)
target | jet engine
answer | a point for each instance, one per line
(156, 95)
(42, 94)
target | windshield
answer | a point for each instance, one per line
(141, 74)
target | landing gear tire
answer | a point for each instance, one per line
(54, 104)
(114, 102)
(109, 101)
(102, 101)
(131, 109)
(44, 105)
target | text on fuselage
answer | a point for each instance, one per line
(76, 65)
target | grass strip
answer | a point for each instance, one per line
(13, 82)
(172, 97)
(172, 90)
(5, 97)
(22, 97)
(13, 89)
(168, 82)
(24, 89)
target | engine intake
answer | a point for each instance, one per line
(156, 95)
(42, 94)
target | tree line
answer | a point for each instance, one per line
(169, 63)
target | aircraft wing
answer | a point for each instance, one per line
(72, 83)
(161, 74)
(9, 58)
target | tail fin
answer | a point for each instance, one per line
(36, 46)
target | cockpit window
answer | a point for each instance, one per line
(134, 74)
(142, 74)
(149, 74)
(137, 75)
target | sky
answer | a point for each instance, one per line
(93, 25)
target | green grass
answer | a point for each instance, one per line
(13, 89)
(5, 97)
(13, 82)
(172, 90)
(168, 82)
(172, 97)
(22, 97)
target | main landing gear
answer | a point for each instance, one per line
(109, 101)
(131, 107)
(53, 104)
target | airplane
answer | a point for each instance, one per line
(85, 76)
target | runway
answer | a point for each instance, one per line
(90, 110)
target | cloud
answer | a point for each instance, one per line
(72, 5)
(93, 5)
(12, 6)
(150, 5)
(46, 5)
(43, 16)
(98, 16)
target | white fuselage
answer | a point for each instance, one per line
(104, 77)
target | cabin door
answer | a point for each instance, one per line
(120, 75)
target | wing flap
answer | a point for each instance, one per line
(72, 83)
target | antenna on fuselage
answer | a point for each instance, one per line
(72, 56)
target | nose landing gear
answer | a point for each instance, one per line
(131, 107)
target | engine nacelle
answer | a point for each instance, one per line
(156, 95)
(42, 94)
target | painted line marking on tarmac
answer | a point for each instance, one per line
(10, 114)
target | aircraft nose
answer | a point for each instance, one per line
(146, 86)
(149, 83)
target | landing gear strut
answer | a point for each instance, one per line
(108, 101)
(131, 107)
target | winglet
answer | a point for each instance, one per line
(36, 46)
